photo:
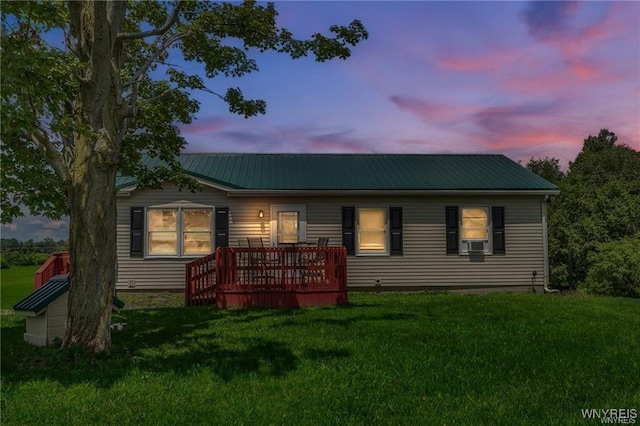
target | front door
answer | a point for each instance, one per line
(288, 224)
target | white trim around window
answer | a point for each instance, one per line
(475, 230)
(178, 230)
(372, 231)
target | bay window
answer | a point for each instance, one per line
(179, 231)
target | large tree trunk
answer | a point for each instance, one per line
(91, 190)
(92, 243)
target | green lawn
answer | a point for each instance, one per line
(392, 359)
(15, 283)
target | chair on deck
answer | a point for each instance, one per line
(255, 242)
(313, 264)
(243, 258)
(259, 261)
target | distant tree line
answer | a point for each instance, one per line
(594, 224)
(24, 253)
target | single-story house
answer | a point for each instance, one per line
(408, 222)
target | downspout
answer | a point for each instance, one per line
(545, 248)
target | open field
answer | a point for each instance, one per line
(385, 359)
(16, 283)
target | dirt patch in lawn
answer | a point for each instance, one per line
(151, 300)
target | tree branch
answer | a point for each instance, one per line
(145, 67)
(156, 31)
(49, 152)
(134, 81)
(155, 98)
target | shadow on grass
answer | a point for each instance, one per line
(169, 340)
(344, 322)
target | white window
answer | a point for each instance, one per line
(179, 231)
(196, 231)
(475, 230)
(162, 232)
(288, 224)
(372, 232)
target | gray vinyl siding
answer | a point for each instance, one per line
(165, 273)
(424, 263)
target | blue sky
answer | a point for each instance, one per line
(519, 78)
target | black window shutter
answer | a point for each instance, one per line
(452, 229)
(222, 227)
(348, 228)
(395, 222)
(136, 248)
(497, 218)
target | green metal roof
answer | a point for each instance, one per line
(357, 172)
(42, 297)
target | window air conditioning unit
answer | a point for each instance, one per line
(476, 246)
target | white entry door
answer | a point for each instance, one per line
(288, 224)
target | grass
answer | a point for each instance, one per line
(392, 359)
(16, 283)
(146, 300)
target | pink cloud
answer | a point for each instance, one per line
(570, 80)
(488, 61)
(528, 130)
(337, 143)
(528, 138)
(586, 71)
(568, 53)
(205, 125)
(522, 143)
(579, 46)
(430, 111)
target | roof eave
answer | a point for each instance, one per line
(28, 313)
(408, 192)
(126, 191)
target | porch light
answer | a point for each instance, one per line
(261, 214)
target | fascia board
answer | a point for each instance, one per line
(126, 191)
(323, 193)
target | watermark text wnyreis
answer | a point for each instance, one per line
(611, 415)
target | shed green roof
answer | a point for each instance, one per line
(42, 297)
(295, 172)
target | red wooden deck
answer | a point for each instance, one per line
(200, 280)
(57, 264)
(269, 277)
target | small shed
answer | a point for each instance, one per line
(46, 311)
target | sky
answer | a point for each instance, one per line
(524, 79)
(519, 78)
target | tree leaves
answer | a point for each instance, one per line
(599, 202)
(547, 168)
(111, 99)
(41, 85)
(239, 105)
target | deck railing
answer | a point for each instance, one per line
(280, 268)
(291, 276)
(200, 280)
(57, 264)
